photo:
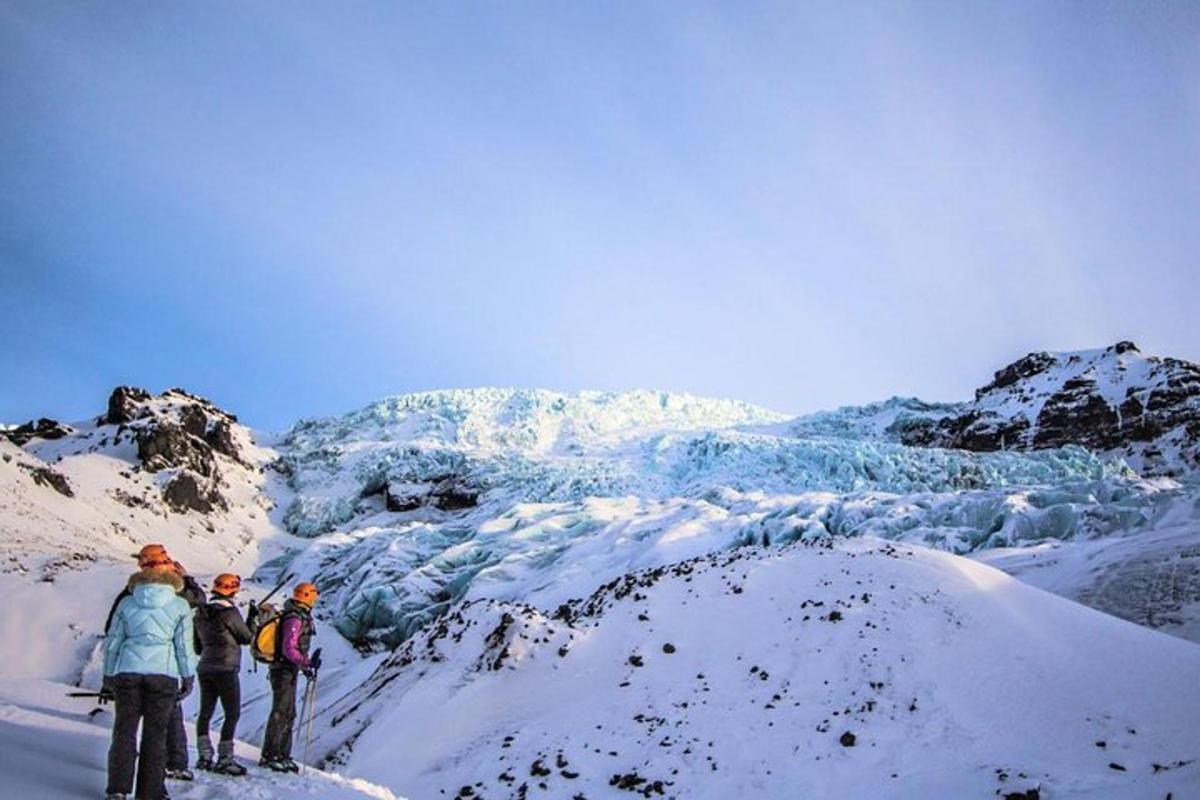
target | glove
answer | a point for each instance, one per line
(185, 687)
(309, 673)
(107, 690)
(252, 616)
(314, 663)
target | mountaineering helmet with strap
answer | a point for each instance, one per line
(226, 584)
(153, 555)
(306, 594)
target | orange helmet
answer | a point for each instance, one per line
(227, 584)
(153, 555)
(305, 593)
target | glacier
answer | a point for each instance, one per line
(571, 490)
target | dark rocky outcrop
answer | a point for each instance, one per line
(1027, 367)
(446, 492)
(1077, 414)
(1116, 400)
(220, 438)
(43, 428)
(125, 405)
(193, 420)
(166, 445)
(188, 491)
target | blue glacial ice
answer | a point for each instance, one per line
(577, 489)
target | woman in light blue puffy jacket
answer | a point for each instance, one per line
(148, 665)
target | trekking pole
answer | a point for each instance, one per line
(311, 692)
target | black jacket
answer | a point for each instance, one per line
(220, 634)
(191, 592)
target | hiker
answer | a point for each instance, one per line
(177, 749)
(220, 635)
(156, 556)
(294, 632)
(148, 669)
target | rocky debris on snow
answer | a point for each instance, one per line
(43, 428)
(45, 476)
(1025, 794)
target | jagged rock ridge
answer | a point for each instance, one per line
(1116, 400)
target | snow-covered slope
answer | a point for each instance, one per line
(428, 518)
(170, 468)
(838, 668)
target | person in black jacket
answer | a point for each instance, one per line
(154, 556)
(220, 635)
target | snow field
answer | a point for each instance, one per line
(954, 680)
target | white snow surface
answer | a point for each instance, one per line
(51, 747)
(578, 492)
(739, 674)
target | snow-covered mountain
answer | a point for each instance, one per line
(515, 563)
(1114, 401)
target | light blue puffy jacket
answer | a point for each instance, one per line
(151, 632)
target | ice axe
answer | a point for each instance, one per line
(101, 697)
(287, 576)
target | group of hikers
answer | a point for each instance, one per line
(163, 635)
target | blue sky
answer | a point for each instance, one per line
(295, 208)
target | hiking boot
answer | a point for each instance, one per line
(274, 764)
(205, 755)
(229, 766)
(116, 796)
(183, 774)
(289, 765)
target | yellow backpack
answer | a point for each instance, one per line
(266, 634)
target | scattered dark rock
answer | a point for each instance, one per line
(668, 648)
(1116, 766)
(1027, 794)
(44, 476)
(847, 739)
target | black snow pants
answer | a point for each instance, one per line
(145, 700)
(177, 754)
(277, 744)
(226, 687)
